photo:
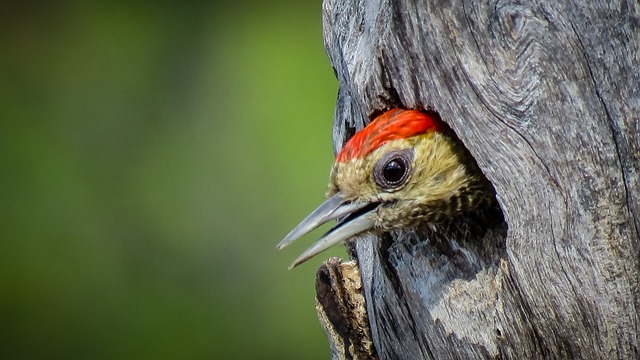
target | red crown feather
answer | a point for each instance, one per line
(392, 125)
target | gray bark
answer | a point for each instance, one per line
(546, 97)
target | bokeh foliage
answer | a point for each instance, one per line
(151, 156)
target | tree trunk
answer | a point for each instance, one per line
(546, 97)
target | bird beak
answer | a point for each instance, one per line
(356, 218)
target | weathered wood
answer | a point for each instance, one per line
(546, 97)
(342, 311)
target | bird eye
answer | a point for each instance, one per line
(393, 169)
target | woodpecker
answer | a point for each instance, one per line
(404, 169)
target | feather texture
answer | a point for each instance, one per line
(392, 125)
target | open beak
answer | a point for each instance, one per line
(356, 217)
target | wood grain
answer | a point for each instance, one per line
(546, 97)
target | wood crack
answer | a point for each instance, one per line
(614, 136)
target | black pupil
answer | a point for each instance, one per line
(394, 170)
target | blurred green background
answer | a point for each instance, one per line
(152, 154)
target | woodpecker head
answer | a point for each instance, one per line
(405, 168)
